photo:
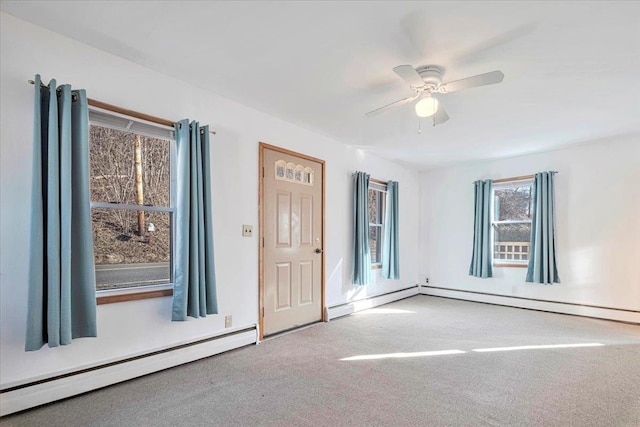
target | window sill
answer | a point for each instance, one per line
(134, 296)
(376, 266)
(495, 264)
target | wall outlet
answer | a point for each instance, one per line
(247, 230)
(227, 321)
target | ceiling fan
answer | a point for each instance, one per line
(426, 82)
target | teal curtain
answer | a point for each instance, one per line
(390, 247)
(361, 256)
(194, 291)
(542, 261)
(62, 287)
(481, 257)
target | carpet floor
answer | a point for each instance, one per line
(409, 363)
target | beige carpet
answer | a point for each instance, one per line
(417, 367)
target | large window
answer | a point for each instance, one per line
(132, 202)
(377, 201)
(512, 203)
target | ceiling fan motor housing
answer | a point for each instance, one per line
(431, 75)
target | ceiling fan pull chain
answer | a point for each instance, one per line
(419, 128)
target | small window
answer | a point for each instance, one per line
(132, 202)
(512, 203)
(293, 173)
(377, 205)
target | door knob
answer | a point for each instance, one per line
(319, 251)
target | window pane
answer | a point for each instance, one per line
(374, 200)
(113, 156)
(511, 241)
(513, 203)
(375, 239)
(125, 259)
(381, 206)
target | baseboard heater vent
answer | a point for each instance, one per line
(28, 395)
(371, 301)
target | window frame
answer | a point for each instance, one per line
(497, 185)
(381, 187)
(107, 296)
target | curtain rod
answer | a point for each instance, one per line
(120, 110)
(518, 178)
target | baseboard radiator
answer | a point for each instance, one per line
(28, 395)
(369, 302)
(606, 313)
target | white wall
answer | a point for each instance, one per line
(137, 327)
(598, 224)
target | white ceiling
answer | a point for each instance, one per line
(572, 69)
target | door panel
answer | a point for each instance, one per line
(305, 282)
(283, 281)
(306, 220)
(292, 231)
(283, 220)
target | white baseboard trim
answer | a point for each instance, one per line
(373, 301)
(41, 392)
(620, 315)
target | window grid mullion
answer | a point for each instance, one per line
(518, 221)
(106, 205)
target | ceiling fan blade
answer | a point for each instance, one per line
(480, 80)
(440, 116)
(409, 75)
(393, 104)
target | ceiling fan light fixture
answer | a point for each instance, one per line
(427, 107)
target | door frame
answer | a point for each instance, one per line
(264, 146)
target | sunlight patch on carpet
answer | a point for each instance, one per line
(403, 355)
(537, 347)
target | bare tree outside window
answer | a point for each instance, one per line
(512, 210)
(132, 247)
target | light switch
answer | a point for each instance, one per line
(247, 230)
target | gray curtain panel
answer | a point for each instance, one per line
(62, 288)
(194, 291)
(542, 262)
(361, 256)
(390, 246)
(481, 258)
